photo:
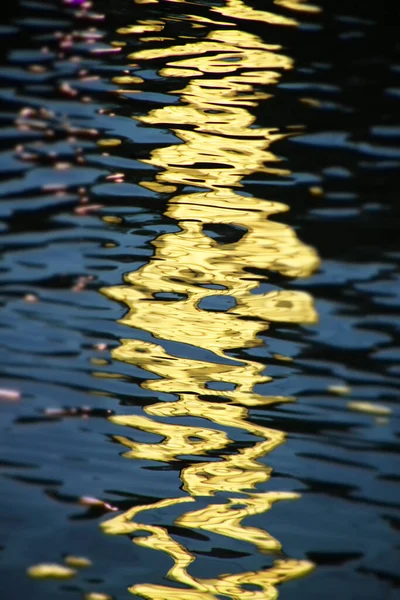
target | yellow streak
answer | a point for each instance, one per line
(225, 519)
(237, 9)
(220, 145)
(176, 440)
(298, 5)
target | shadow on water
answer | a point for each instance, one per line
(200, 294)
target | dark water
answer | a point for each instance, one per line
(193, 348)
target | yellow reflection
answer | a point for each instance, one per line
(158, 538)
(217, 107)
(126, 79)
(188, 379)
(235, 473)
(299, 5)
(231, 586)
(178, 375)
(202, 295)
(237, 9)
(176, 439)
(142, 27)
(225, 519)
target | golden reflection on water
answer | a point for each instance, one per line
(239, 10)
(219, 145)
(299, 5)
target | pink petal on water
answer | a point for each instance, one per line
(11, 395)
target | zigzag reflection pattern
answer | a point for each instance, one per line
(220, 146)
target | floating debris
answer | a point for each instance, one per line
(101, 347)
(54, 412)
(381, 421)
(115, 176)
(113, 220)
(316, 191)
(369, 408)
(82, 283)
(80, 131)
(28, 156)
(62, 166)
(340, 390)
(31, 298)
(95, 502)
(37, 69)
(51, 571)
(10, 395)
(98, 361)
(87, 209)
(79, 562)
(54, 187)
(109, 142)
(105, 50)
(97, 596)
(28, 113)
(282, 357)
(83, 412)
(65, 88)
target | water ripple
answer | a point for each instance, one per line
(226, 175)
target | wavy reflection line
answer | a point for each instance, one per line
(302, 6)
(201, 589)
(219, 145)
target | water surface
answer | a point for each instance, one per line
(200, 286)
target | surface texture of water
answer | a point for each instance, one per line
(200, 298)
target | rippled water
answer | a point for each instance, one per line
(200, 298)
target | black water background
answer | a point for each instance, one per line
(345, 466)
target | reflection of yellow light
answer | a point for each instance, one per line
(126, 79)
(186, 324)
(154, 186)
(265, 244)
(189, 376)
(245, 49)
(299, 5)
(313, 102)
(142, 27)
(198, 19)
(225, 519)
(231, 586)
(177, 439)
(237, 9)
(206, 589)
(249, 41)
(234, 473)
(109, 142)
(216, 109)
(170, 297)
(155, 39)
(190, 49)
(158, 538)
(229, 62)
(213, 162)
(188, 261)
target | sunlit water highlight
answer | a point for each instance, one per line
(192, 161)
(219, 147)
